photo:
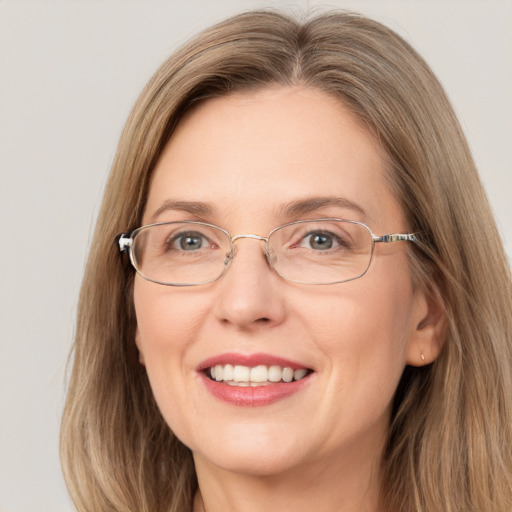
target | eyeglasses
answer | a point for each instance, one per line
(318, 251)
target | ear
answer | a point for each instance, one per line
(139, 347)
(428, 328)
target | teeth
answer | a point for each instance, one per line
(241, 373)
(237, 375)
(275, 373)
(287, 374)
(259, 374)
(298, 374)
(228, 372)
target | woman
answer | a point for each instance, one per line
(273, 348)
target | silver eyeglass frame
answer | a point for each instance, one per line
(125, 243)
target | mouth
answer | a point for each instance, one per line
(255, 376)
(254, 380)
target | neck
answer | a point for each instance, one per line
(324, 485)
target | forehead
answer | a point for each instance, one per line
(252, 153)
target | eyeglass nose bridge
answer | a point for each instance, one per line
(231, 254)
(248, 235)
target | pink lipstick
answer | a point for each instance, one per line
(253, 380)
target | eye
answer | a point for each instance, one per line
(189, 241)
(319, 241)
(323, 241)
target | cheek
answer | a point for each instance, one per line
(363, 331)
(166, 320)
(361, 314)
(168, 325)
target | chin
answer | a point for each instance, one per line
(252, 451)
(252, 462)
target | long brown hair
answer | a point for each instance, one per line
(450, 441)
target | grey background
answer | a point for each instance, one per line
(69, 73)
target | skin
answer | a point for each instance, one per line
(247, 155)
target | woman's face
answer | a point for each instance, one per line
(241, 162)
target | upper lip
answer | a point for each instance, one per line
(250, 360)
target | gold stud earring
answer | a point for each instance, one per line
(422, 356)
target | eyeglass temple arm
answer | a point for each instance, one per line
(396, 237)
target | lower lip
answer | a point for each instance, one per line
(254, 396)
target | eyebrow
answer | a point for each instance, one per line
(193, 207)
(291, 209)
(313, 204)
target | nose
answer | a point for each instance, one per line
(249, 293)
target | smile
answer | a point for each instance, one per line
(261, 375)
(252, 380)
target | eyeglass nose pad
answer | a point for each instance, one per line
(270, 256)
(228, 257)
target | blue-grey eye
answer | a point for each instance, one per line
(320, 241)
(191, 241)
